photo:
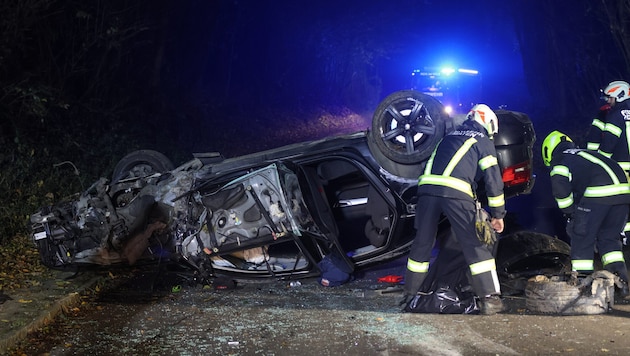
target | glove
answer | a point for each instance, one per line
(485, 232)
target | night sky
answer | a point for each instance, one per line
(299, 47)
(301, 53)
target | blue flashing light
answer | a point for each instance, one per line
(456, 88)
(468, 71)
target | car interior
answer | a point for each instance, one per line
(349, 215)
(361, 214)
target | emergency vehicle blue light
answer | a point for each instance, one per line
(468, 71)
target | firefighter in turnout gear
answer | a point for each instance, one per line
(615, 140)
(447, 186)
(593, 193)
(616, 136)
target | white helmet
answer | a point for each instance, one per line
(482, 114)
(618, 90)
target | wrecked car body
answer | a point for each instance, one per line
(275, 213)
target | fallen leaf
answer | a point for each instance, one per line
(25, 301)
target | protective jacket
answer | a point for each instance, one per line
(598, 125)
(463, 158)
(580, 176)
(615, 139)
(595, 191)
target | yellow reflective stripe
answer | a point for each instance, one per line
(497, 201)
(561, 171)
(445, 181)
(417, 267)
(487, 162)
(599, 124)
(593, 146)
(625, 166)
(606, 154)
(612, 257)
(483, 267)
(582, 265)
(565, 202)
(613, 129)
(429, 166)
(627, 227)
(589, 157)
(458, 156)
(607, 190)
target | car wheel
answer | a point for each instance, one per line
(406, 127)
(141, 163)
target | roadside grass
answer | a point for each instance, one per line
(19, 264)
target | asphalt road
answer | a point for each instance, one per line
(149, 314)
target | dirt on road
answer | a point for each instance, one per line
(151, 314)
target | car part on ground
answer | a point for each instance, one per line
(525, 254)
(569, 295)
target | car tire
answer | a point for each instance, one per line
(525, 254)
(141, 163)
(406, 127)
(556, 295)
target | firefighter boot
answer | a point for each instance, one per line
(492, 304)
(624, 290)
(405, 300)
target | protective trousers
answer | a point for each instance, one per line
(461, 215)
(597, 226)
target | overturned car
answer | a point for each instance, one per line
(278, 213)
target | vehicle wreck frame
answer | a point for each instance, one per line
(275, 213)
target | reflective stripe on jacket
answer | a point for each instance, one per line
(594, 134)
(597, 128)
(580, 175)
(461, 159)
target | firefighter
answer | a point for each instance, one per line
(593, 192)
(615, 141)
(447, 186)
